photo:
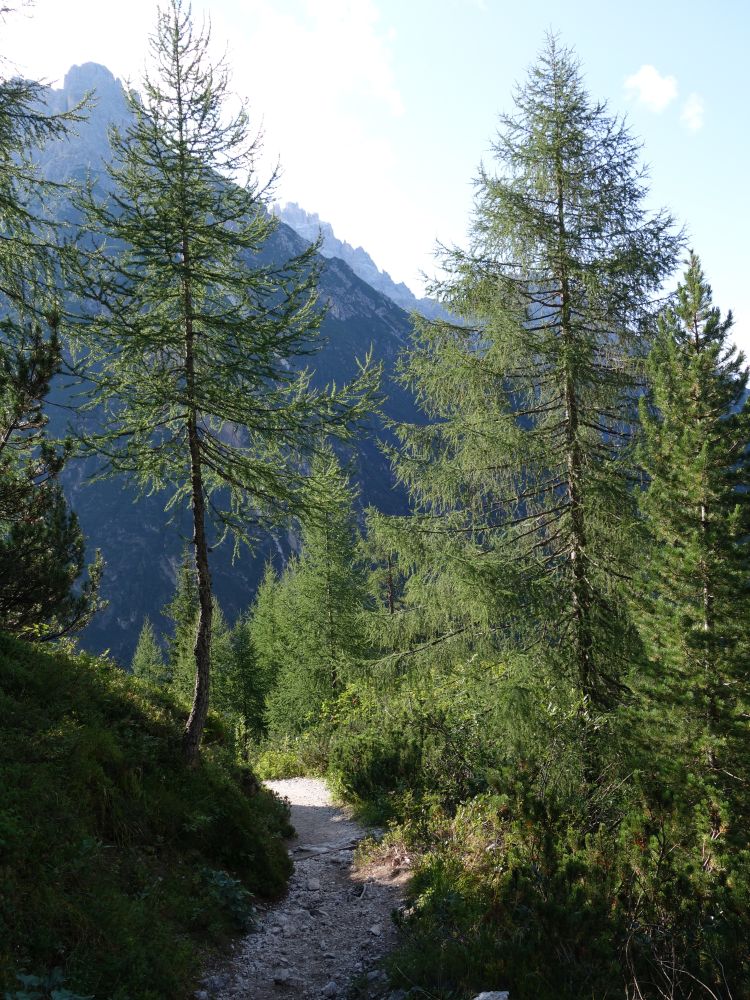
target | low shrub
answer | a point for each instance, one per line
(106, 837)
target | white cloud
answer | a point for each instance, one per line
(321, 76)
(693, 111)
(651, 89)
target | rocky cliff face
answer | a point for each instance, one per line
(141, 544)
(309, 225)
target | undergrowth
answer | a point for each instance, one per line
(118, 863)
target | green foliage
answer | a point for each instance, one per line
(521, 478)
(291, 757)
(316, 636)
(106, 835)
(517, 895)
(182, 611)
(233, 897)
(148, 658)
(693, 603)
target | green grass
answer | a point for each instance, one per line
(118, 864)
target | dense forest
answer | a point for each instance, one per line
(536, 679)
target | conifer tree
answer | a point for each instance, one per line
(189, 343)
(182, 611)
(694, 600)
(522, 476)
(41, 545)
(319, 606)
(249, 686)
(223, 664)
(148, 658)
(265, 625)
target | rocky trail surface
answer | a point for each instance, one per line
(333, 926)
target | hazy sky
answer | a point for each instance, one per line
(381, 110)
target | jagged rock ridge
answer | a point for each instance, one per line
(309, 225)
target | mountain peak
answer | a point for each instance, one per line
(90, 76)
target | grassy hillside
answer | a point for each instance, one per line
(117, 863)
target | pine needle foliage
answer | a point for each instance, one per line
(189, 331)
(694, 609)
(522, 474)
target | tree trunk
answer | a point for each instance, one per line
(202, 649)
(582, 598)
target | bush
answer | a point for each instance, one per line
(106, 836)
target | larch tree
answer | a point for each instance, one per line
(189, 331)
(522, 475)
(319, 605)
(148, 658)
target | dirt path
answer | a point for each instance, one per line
(335, 922)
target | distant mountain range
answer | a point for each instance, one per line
(309, 225)
(141, 547)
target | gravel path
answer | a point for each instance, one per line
(334, 924)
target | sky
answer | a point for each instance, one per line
(380, 111)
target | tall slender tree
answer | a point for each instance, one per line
(522, 475)
(190, 343)
(694, 601)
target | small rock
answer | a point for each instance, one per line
(376, 929)
(313, 884)
(330, 990)
(493, 995)
(281, 977)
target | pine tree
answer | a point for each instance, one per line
(694, 602)
(189, 345)
(148, 659)
(522, 477)
(41, 545)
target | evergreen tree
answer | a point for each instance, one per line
(322, 597)
(694, 605)
(250, 686)
(266, 626)
(522, 476)
(223, 665)
(148, 659)
(193, 333)
(182, 611)
(41, 545)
